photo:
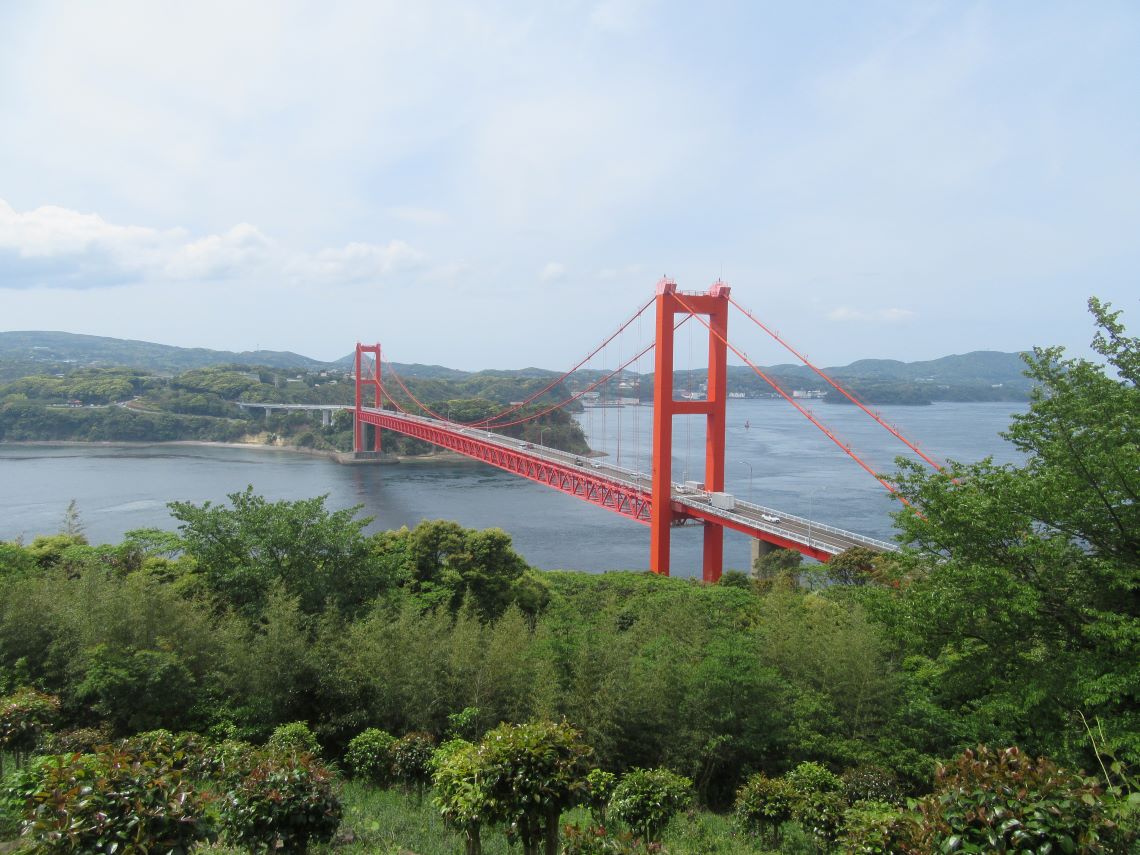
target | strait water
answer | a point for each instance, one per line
(779, 459)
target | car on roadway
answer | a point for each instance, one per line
(772, 518)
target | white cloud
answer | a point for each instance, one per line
(890, 316)
(243, 249)
(356, 262)
(55, 247)
(552, 272)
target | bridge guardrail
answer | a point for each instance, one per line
(685, 496)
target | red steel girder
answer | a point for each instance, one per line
(590, 487)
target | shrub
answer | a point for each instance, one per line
(820, 814)
(461, 791)
(531, 773)
(368, 756)
(293, 738)
(17, 792)
(646, 799)
(227, 761)
(411, 761)
(24, 716)
(596, 840)
(599, 788)
(818, 803)
(464, 724)
(871, 784)
(177, 750)
(813, 778)
(80, 740)
(282, 804)
(1000, 800)
(113, 801)
(878, 828)
(763, 805)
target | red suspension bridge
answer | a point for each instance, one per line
(653, 498)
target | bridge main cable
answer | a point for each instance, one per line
(803, 410)
(516, 407)
(487, 423)
(850, 396)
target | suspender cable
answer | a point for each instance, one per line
(540, 413)
(516, 407)
(803, 411)
(588, 388)
(839, 388)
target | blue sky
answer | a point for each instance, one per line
(500, 184)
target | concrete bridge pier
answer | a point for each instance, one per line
(326, 418)
(760, 548)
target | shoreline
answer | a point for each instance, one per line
(343, 457)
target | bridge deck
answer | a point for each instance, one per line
(623, 490)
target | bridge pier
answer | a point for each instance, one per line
(760, 548)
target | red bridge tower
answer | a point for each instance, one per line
(714, 304)
(372, 380)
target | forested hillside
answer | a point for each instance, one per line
(125, 404)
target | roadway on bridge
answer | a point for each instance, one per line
(745, 517)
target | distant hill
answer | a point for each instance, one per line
(981, 375)
(94, 350)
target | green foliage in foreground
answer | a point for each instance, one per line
(282, 804)
(113, 801)
(1012, 617)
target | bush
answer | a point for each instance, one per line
(17, 792)
(80, 740)
(1000, 800)
(113, 801)
(368, 756)
(530, 773)
(763, 805)
(461, 791)
(411, 761)
(813, 778)
(820, 814)
(878, 828)
(136, 690)
(24, 716)
(818, 803)
(599, 789)
(646, 799)
(282, 804)
(596, 840)
(177, 750)
(227, 761)
(871, 784)
(293, 738)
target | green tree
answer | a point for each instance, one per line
(317, 554)
(531, 773)
(24, 717)
(780, 566)
(646, 799)
(1026, 606)
(447, 564)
